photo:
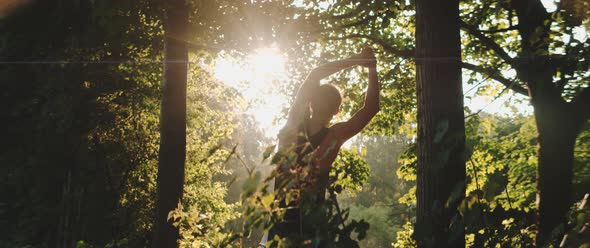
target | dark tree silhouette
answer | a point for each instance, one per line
(441, 126)
(558, 122)
(172, 124)
(561, 98)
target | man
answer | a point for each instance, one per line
(315, 144)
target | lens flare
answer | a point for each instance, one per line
(257, 78)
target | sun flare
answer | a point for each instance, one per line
(267, 62)
(257, 78)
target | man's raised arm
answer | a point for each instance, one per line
(312, 82)
(370, 107)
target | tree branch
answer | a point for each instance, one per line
(386, 46)
(343, 26)
(499, 30)
(488, 42)
(350, 14)
(493, 74)
(490, 103)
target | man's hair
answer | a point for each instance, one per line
(326, 100)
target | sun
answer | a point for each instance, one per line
(267, 62)
(257, 78)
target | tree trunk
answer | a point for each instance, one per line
(441, 126)
(172, 123)
(554, 175)
(558, 124)
(557, 132)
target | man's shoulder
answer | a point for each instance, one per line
(338, 132)
(338, 127)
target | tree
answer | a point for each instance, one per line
(441, 127)
(172, 123)
(74, 137)
(550, 71)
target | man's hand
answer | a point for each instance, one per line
(368, 58)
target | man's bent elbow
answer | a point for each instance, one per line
(373, 109)
(376, 111)
(376, 107)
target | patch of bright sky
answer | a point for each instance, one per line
(550, 5)
(258, 79)
(506, 105)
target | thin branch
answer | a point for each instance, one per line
(510, 84)
(508, 196)
(356, 10)
(483, 213)
(386, 46)
(500, 30)
(482, 12)
(476, 181)
(477, 84)
(350, 14)
(487, 105)
(488, 42)
(343, 26)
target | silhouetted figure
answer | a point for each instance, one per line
(309, 135)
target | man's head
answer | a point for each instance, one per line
(325, 101)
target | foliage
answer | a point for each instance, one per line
(581, 180)
(579, 219)
(82, 131)
(81, 89)
(204, 211)
(522, 37)
(349, 172)
(293, 188)
(501, 191)
(382, 222)
(500, 204)
(377, 201)
(405, 238)
(84, 109)
(497, 22)
(501, 43)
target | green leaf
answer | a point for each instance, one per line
(267, 152)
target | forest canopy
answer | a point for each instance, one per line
(150, 123)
